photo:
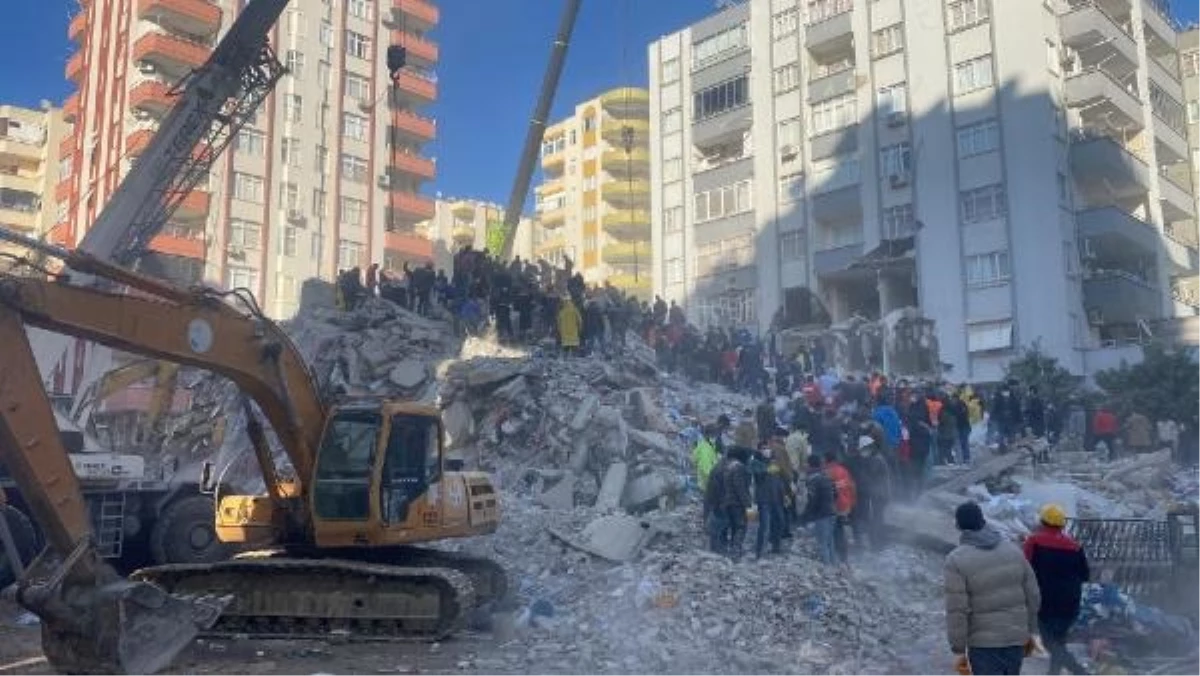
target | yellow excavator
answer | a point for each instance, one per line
(335, 534)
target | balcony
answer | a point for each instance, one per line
(832, 85)
(414, 127)
(1098, 37)
(20, 151)
(22, 219)
(1170, 143)
(419, 51)
(552, 244)
(180, 241)
(1102, 102)
(1120, 297)
(23, 183)
(74, 70)
(1177, 201)
(194, 206)
(1160, 30)
(416, 165)
(625, 253)
(77, 26)
(549, 187)
(626, 101)
(415, 14)
(552, 218)
(193, 17)
(628, 224)
(1114, 234)
(627, 193)
(1182, 256)
(836, 259)
(415, 86)
(553, 162)
(638, 285)
(617, 162)
(1166, 79)
(170, 53)
(152, 96)
(613, 131)
(1103, 167)
(408, 245)
(70, 108)
(463, 234)
(829, 27)
(726, 126)
(412, 206)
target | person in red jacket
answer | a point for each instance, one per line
(1105, 428)
(1061, 568)
(845, 498)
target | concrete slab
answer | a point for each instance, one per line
(613, 486)
(645, 490)
(613, 537)
(583, 414)
(559, 496)
(408, 374)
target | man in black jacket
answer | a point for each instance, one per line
(819, 510)
(735, 499)
(1061, 568)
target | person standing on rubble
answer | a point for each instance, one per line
(820, 510)
(1104, 430)
(714, 506)
(1035, 413)
(873, 482)
(569, 324)
(844, 501)
(764, 419)
(1137, 433)
(768, 499)
(704, 455)
(992, 598)
(1061, 568)
(735, 494)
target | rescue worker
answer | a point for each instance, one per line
(714, 511)
(569, 323)
(769, 500)
(1061, 568)
(873, 484)
(992, 598)
(819, 510)
(844, 500)
(704, 455)
(735, 498)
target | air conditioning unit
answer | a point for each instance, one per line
(237, 253)
(899, 180)
(296, 216)
(146, 68)
(385, 181)
(788, 152)
(366, 105)
(896, 119)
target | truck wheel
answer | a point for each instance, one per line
(185, 533)
(25, 539)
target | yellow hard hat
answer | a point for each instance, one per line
(1053, 515)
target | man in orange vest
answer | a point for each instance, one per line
(845, 497)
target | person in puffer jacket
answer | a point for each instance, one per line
(992, 598)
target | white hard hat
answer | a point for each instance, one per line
(865, 441)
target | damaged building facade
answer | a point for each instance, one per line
(1013, 172)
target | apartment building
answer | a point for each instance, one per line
(593, 204)
(1188, 288)
(28, 168)
(328, 175)
(1009, 168)
(459, 222)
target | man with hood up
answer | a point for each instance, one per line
(992, 598)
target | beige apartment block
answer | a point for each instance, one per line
(593, 204)
(1187, 287)
(461, 221)
(28, 168)
(328, 175)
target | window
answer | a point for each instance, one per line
(791, 187)
(898, 221)
(672, 169)
(296, 24)
(589, 242)
(787, 77)
(251, 142)
(316, 244)
(326, 34)
(714, 47)
(589, 124)
(674, 270)
(354, 126)
(247, 187)
(983, 204)
(285, 287)
(318, 202)
(1070, 257)
(359, 8)
(353, 212)
(590, 182)
(892, 99)
(988, 268)
(895, 160)
(350, 254)
(888, 40)
(785, 22)
(820, 10)
(973, 75)
(289, 196)
(244, 234)
(791, 246)
(321, 163)
(357, 87)
(1052, 60)
(358, 45)
(241, 277)
(1191, 63)
(293, 107)
(323, 74)
(976, 139)
(724, 201)
(966, 13)
(1193, 112)
(589, 213)
(289, 150)
(834, 113)
(727, 254)
(989, 336)
(295, 64)
(287, 243)
(672, 120)
(670, 70)
(720, 98)
(354, 168)
(1064, 193)
(673, 219)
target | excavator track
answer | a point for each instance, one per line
(277, 597)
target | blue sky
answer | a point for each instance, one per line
(493, 55)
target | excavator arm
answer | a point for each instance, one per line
(165, 375)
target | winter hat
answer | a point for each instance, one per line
(969, 516)
(864, 441)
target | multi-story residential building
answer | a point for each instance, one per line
(327, 176)
(594, 200)
(1187, 289)
(458, 222)
(1008, 168)
(28, 168)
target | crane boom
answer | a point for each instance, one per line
(215, 102)
(537, 125)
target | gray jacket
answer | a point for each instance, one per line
(992, 596)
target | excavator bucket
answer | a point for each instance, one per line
(96, 622)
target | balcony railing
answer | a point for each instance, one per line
(823, 11)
